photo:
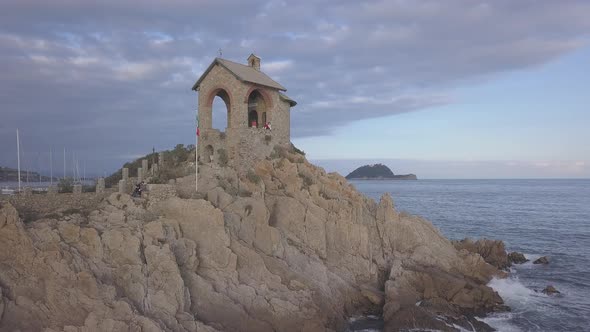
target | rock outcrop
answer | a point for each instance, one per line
(492, 251)
(550, 290)
(516, 258)
(542, 260)
(286, 248)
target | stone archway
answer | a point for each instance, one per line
(257, 109)
(225, 96)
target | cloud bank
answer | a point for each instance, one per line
(112, 78)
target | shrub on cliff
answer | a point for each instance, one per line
(66, 185)
(253, 177)
(296, 150)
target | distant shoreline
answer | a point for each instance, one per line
(401, 178)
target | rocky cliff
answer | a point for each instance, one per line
(286, 247)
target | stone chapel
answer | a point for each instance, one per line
(252, 99)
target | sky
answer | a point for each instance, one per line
(442, 89)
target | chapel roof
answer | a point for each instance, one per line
(242, 72)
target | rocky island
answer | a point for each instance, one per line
(377, 172)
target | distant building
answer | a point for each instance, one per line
(252, 99)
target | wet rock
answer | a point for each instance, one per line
(542, 260)
(550, 290)
(516, 258)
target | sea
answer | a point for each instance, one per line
(536, 217)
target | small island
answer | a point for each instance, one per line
(377, 172)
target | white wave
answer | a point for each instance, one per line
(514, 293)
(518, 297)
(501, 322)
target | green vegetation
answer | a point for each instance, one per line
(253, 177)
(10, 174)
(296, 150)
(172, 158)
(377, 171)
(66, 185)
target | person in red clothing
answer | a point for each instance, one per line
(267, 126)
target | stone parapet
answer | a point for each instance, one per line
(100, 186)
(122, 186)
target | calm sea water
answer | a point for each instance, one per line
(535, 217)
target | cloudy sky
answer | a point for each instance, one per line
(456, 88)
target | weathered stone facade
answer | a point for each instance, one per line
(252, 99)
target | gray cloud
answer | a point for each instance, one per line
(112, 79)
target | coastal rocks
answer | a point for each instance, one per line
(516, 258)
(550, 290)
(492, 251)
(295, 250)
(542, 260)
(88, 275)
(417, 296)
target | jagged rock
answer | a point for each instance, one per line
(300, 250)
(492, 251)
(542, 260)
(516, 258)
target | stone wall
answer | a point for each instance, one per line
(160, 192)
(242, 144)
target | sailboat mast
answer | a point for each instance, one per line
(18, 157)
(50, 168)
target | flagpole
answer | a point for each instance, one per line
(197, 154)
(50, 168)
(18, 157)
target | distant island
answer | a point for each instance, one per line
(377, 172)
(11, 174)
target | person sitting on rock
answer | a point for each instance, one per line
(267, 126)
(137, 191)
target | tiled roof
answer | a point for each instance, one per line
(243, 73)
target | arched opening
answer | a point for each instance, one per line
(253, 119)
(257, 116)
(221, 110)
(208, 155)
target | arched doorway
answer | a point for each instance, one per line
(256, 110)
(253, 119)
(220, 110)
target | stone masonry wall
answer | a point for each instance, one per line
(242, 144)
